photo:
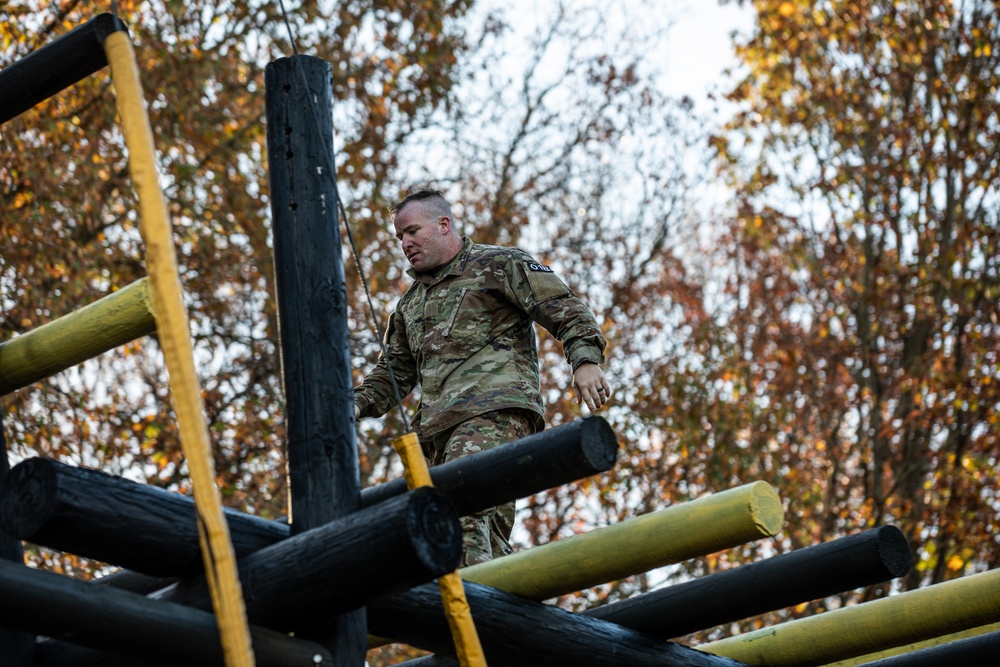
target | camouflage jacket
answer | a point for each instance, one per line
(464, 334)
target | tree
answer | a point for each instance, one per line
(861, 311)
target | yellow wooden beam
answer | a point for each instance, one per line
(909, 648)
(859, 629)
(114, 320)
(680, 532)
(178, 354)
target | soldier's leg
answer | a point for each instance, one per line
(486, 534)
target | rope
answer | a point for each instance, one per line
(174, 333)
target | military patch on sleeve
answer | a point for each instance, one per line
(543, 281)
(539, 267)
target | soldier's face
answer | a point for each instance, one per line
(424, 237)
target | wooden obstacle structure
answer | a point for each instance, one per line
(355, 567)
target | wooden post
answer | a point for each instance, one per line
(16, 648)
(517, 632)
(114, 320)
(324, 478)
(126, 623)
(866, 558)
(968, 633)
(55, 66)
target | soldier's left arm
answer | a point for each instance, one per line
(539, 291)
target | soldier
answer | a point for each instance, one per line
(463, 332)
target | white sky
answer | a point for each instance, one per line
(700, 45)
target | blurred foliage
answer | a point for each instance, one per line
(831, 330)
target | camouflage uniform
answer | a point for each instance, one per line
(464, 333)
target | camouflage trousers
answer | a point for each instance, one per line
(485, 534)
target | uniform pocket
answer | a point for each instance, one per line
(471, 320)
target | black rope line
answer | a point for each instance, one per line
(328, 160)
(288, 26)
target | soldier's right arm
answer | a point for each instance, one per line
(374, 396)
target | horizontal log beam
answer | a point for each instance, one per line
(859, 629)
(144, 630)
(115, 520)
(982, 650)
(153, 531)
(858, 660)
(55, 66)
(688, 530)
(340, 566)
(516, 632)
(518, 469)
(844, 564)
(114, 320)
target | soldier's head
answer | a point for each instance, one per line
(426, 229)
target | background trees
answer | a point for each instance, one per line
(862, 271)
(831, 329)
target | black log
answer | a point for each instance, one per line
(321, 574)
(124, 523)
(519, 469)
(16, 648)
(338, 567)
(515, 632)
(55, 66)
(844, 564)
(153, 531)
(981, 650)
(147, 631)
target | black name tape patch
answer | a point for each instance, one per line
(539, 267)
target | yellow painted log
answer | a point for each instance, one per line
(114, 320)
(910, 648)
(688, 530)
(902, 619)
(468, 648)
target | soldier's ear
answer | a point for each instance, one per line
(444, 224)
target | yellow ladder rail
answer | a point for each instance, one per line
(456, 607)
(174, 333)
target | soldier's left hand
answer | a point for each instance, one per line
(591, 386)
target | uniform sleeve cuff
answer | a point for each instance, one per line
(586, 358)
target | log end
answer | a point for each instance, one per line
(894, 549)
(599, 444)
(765, 508)
(432, 517)
(27, 497)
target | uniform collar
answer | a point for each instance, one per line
(452, 267)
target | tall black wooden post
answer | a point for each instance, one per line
(312, 314)
(16, 648)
